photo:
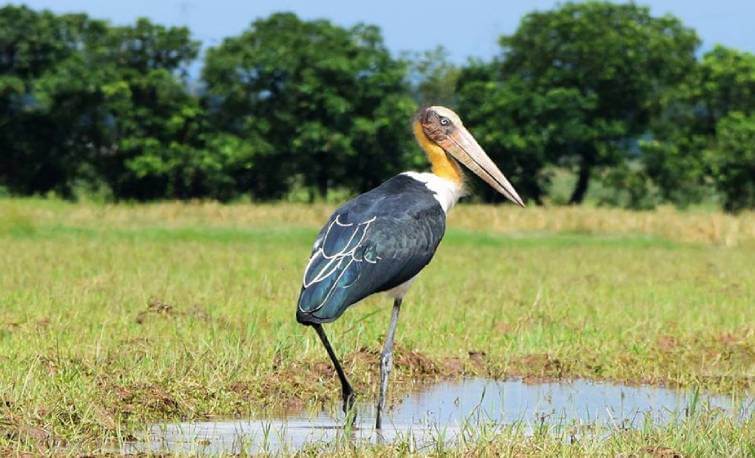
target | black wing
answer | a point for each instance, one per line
(373, 243)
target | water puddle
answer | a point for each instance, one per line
(441, 413)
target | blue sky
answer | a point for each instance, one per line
(466, 28)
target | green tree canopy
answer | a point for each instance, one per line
(307, 105)
(432, 77)
(688, 125)
(513, 125)
(329, 101)
(732, 160)
(155, 130)
(608, 64)
(49, 108)
(82, 100)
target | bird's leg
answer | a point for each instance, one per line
(348, 393)
(386, 362)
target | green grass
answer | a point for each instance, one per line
(115, 316)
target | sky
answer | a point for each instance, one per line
(466, 28)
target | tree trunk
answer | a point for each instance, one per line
(322, 183)
(583, 181)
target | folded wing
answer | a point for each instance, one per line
(367, 247)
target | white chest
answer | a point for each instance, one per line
(446, 192)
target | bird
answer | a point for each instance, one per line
(380, 240)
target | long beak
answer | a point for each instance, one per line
(464, 148)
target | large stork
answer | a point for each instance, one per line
(380, 240)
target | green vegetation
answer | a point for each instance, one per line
(294, 107)
(704, 131)
(330, 103)
(112, 316)
(579, 84)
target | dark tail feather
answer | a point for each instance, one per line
(309, 318)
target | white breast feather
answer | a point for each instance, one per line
(446, 192)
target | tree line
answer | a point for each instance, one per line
(606, 91)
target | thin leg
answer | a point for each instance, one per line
(386, 362)
(346, 390)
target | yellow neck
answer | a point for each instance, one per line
(442, 165)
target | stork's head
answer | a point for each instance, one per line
(444, 138)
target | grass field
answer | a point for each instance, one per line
(112, 316)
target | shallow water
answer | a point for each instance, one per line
(442, 412)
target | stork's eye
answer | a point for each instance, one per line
(444, 121)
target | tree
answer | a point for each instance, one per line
(732, 160)
(612, 62)
(688, 125)
(517, 126)
(49, 104)
(331, 103)
(81, 101)
(156, 125)
(433, 78)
